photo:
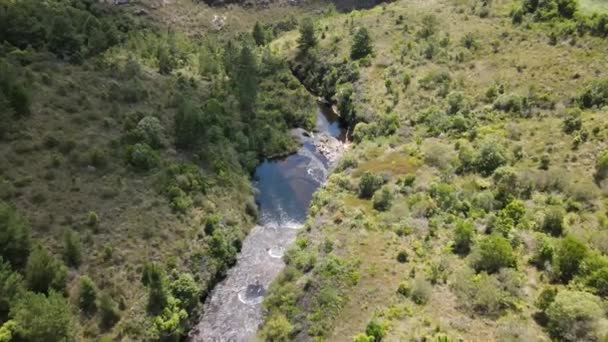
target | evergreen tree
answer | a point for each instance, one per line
(63, 39)
(44, 272)
(259, 36)
(362, 44)
(307, 38)
(247, 79)
(165, 60)
(42, 318)
(187, 125)
(14, 236)
(11, 286)
(88, 294)
(72, 249)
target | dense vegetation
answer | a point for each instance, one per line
(471, 205)
(127, 150)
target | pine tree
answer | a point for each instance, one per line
(362, 44)
(307, 38)
(247, 79)
(259, 36)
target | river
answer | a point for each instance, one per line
(233, 310)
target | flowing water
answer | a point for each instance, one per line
(285, 187)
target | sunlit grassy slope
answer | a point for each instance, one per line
(366, 282)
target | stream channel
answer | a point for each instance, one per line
(233, 310)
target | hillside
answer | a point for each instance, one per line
(127, 145)
(471, 205)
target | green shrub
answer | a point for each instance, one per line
(601, 167)
(574, 316)
(553, 222)
(307, 37)
(155, 279)
(493, 253)
(277, 328)
(509, 103)
(382, 199)
(463, 237)
(187, 290)
(546, 298)
(594, 94)
(376, 330)
(542, 255)
(363, 338)
(14, 236)
(109, 312)
(456, 102)
(368, 184)
(402, 257)
(72, 248)
(568, 257)
(598, 281)
(150, 131)
(361, 45)
(87, 295)
(11, 287)
(573, 121)
(421, 291)
(486, 294)
(43, 272)
(469, 41)
(491, 156)
(92, 219)
(42, 318)
(143, 157)
(429, 26)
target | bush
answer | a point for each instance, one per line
(598, 281)
(150, 131)
(361, 45)
(143, 157)
(402, 257)
(463, 237)
(490, 157)
(43, 272)
(382, 199)
(601, 167)
(376, 330)
(542, 255)
(594, 94)
(14, 236)
(307, 37)
(493, 253)
(368, 184)
(42, 318)
(568, 257)
(509, 103)
(429, 26)
(72, 248)
(574, 316)
(11, 286)
(546, 298)
(277, 328)
(155, 279)
(573, 121)
(421, 291)
(186, 289)
(108, 311)
(553, 222)
(87, 295)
